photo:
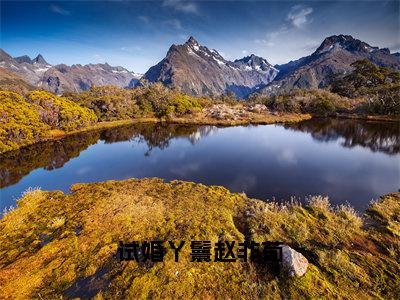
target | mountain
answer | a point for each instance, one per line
(11, 81)
(24, 67)
(26, 59)
(39, 60)
(23, 59)
(331, 59)
(62, 78)
(197, 70)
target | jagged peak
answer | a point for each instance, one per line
(192, 41)
(23, 58)
(346, 42)
(4, 56)
(39, 59)
(253, 60)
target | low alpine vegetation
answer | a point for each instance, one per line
(70, 240)
(25, 120)
(378, 86)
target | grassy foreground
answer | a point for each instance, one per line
(62, 245)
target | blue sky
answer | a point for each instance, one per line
(137, 34)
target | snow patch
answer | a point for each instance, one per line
(190, 51)
(273, 68)
(220, 62)
(120, 72)
(42, 69)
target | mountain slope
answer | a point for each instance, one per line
(62, 78)
(332, 58)
(11, 81)
(197, 70)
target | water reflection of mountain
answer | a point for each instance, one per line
(54, 154)
(377, 136)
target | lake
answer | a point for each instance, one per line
(350, 161)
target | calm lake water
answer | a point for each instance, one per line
(350, 161)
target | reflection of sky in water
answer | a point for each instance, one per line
(263, 161)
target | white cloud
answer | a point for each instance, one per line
(299, 16)
(181, 5)
(296, 19)
(245, 52)
(271, 37)
(98, 57)
(174, 23)
(131, 49)
(265, 42)
(59, 10)
(144, 19)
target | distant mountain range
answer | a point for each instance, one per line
(198, 70)
(62, 78)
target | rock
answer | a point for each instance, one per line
(224, 112)
(258, 108)
(293, 262)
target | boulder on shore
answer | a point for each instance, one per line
(293, 262)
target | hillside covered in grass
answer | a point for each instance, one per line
(63, 245)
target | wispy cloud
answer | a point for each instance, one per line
(98, 57)
(174, 23)
(299, 16)
(59, 10)
(182, 6)
(144, 19)
(131, 48)
(270, 37)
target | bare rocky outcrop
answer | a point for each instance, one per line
(223, 111)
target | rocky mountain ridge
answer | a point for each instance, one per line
(62, 78)
(198, 70)
(331, 59)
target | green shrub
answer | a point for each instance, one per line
(379, 86)
(109, 103)
(320, 102)
(20, 123)
(59, 112)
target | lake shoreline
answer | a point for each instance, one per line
(257, 119)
